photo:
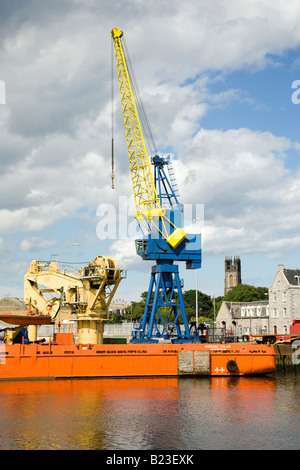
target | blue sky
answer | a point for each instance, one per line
(216, 81)
(263, 100)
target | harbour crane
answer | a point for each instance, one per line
(159, 212)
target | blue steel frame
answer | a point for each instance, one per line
(164, 285)
(165, 288)
(164, 188)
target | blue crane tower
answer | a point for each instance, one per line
(159, 211)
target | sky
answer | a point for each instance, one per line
(218, 79)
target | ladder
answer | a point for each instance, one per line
(172, 177)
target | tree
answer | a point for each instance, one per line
(246, 293)
(205, 307)
(204, 301)
(116, 318)
(135, 311)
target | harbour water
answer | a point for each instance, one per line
(152, 414)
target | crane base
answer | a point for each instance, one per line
(164, 315)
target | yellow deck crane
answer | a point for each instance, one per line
(88, 293)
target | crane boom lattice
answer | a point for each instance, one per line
(142, 178)
(147, 205)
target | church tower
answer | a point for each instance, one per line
(232, 273)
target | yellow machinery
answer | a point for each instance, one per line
(88, 293)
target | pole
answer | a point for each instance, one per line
(196, 298)
(195, 220)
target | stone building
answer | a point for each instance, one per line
(243, 318)
(118, 306)
(233, 275)
(265, 317)
(12, 304)
(284, 299)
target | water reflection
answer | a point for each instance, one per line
(158, 413)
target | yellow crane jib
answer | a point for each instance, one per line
(147, 204)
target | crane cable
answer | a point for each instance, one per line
(112, 120)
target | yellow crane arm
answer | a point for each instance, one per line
(147, 205)
(144, 191)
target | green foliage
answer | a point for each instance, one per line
(205, 307)
(135, 311)
(116, 318)
(204, 301)
(246, 293)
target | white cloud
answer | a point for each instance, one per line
(250, 198)
(124, 252)
(35, 244)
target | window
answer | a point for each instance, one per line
(284, 296)
(141, 245)
(243, 312)
(258, 311)
(284, 312)
(274, 296)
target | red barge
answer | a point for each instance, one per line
(72, 361)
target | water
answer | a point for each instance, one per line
(156, 413)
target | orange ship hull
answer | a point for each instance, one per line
(60, 361)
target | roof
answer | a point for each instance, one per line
(292, 276)
(246, 304)
(12, 303)
(235, 307)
